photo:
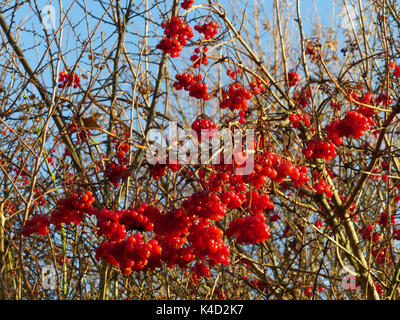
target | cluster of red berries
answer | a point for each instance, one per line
(218, 181)
(187, 4)
(379, 289)
(277, 169)
(376, 237)
(131, 254)
(382, 256)
(72, 209)
(205, 128)
(179, 227)
(173, 224)
(66, 79)
(308, 291)
(38, 224)
(199, 90)
(108, 224)
(123, 148)
(50, 160)
(319, 224)
(367, 235)
(209, 30)
(61, 260)
(285, 168)
(293, 77)
(141, 218)
(40, 200)
(193, 84)
(10, 207)
(185, 81)
(295, 119)
(274, 217)
(373, 177)
(383, 219)
(159, 169)
(206, 205)
(384, 165)
(299, 176)
(258, 177)
(396, 233)
(249, 230)
(174, 253)
(321, 187)
(182, 235)
(256, 86)
(176, 32)
(232, 199)
(365, 100)
(82, 132)
(311, 52)
(199, 58)
(396, 71)
(207, 241)
(114, 225)
(256, 203)
(353, 125)
(320, 149)
(233, 74)
(115, 172)
(200, 270)
(385, 177)
(384, 99)
(235, 98)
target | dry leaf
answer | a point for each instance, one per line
(91, 122)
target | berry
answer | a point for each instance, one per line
(294, 78)
(66, 79)
(295, 119)
(186, 4)
(193, 84)
(204, 128)
(396, 72)
(249, 230)
(353, 125)
(319, 149)
(38, 224)
(209, 30)
(205, 205)
(235, 98)
(176, 34)
(72, 209)
(321, 187)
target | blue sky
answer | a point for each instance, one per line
(35, 46)
(325, 8)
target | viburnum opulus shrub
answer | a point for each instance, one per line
(319, 202)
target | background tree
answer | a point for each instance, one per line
(82, 85)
